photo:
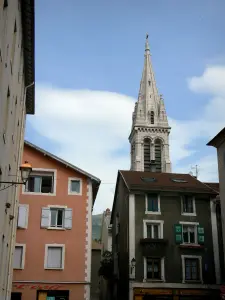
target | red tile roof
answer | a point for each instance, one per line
(213, 185)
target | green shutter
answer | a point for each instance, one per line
(178, 233)
(201, 236)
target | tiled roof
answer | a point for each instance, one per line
(136, 180)
(213, 185)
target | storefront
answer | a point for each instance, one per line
(175, 294)
(39, 291)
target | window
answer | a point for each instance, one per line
(153, 231)
(19, 254)
(54, 256)
(190, 234)
(22, 221)
(152, 117)
(74, 186)
(40, 182)
(192, 268)
(152, 204)
(148, 179)
(179, 180)
(5, 4)
(188, 205)
(57, 216)
(153, 268)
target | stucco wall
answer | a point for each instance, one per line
(12, 123)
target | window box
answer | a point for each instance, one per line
(74, 186)
(41, 182)
(54, 256)
(152, 206)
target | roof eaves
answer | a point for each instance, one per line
(67, 164)
(218, 139)
(28, 20)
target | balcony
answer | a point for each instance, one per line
(153, 247)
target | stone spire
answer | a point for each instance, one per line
(149, 106)
(149, 136)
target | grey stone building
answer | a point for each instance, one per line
(165, 226)
(165, 237)
(16, 101)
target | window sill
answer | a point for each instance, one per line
(189, 214)
(191, 246)
(38, 194)
(18, 268)
(193, 281)
(56, 269)
(153, 280)
(152, 212)
(74, 194)
(56, 228)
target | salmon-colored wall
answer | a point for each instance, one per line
(35, 237)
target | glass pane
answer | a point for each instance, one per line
(46, 185)
(156, 231)
(30, 184)
(152, 202)
(149, 231)
(185, 237)
(53, 217)
(54, 257)
(192, 237)
(37, 184)
(60, 218)
(75, 186)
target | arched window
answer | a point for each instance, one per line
(147, 154)
(158, 155)
(152, 117)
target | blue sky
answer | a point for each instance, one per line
(99, 46)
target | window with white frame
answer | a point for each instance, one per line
(18, 259)
(189, 234)
(192, 268)
(188, 205)
(57, 217)
(74, 186)
(54, 256)
(154, 268)
(153, 229)
(54, 217)
(152, 203)
(40, 182)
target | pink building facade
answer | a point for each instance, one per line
(52, 259)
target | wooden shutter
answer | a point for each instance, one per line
(68, 218)
(178, 233)
(22, 216)
(201, 235)
(45, 217)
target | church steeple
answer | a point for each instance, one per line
(150, 129)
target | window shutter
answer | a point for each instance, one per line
(68, 218)
(45, 217)
(22, 216)
(178, 233)
(201, 236)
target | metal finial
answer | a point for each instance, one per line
(146, 36)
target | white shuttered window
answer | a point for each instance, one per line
(22, 221)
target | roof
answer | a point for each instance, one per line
(27, 10)
(213, 185)
(67, 164)
(218, 139)
(164, 182)
(96, 245)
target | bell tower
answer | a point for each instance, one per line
(149, 137)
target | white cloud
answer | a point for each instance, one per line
(92, 127)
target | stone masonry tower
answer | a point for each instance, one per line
(149, 138)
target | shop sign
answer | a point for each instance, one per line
(36, 287)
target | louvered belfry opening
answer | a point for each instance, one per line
(147, 155)
(158, 155)
(152, 117)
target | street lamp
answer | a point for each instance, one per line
(25, 170)
(133, 263)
